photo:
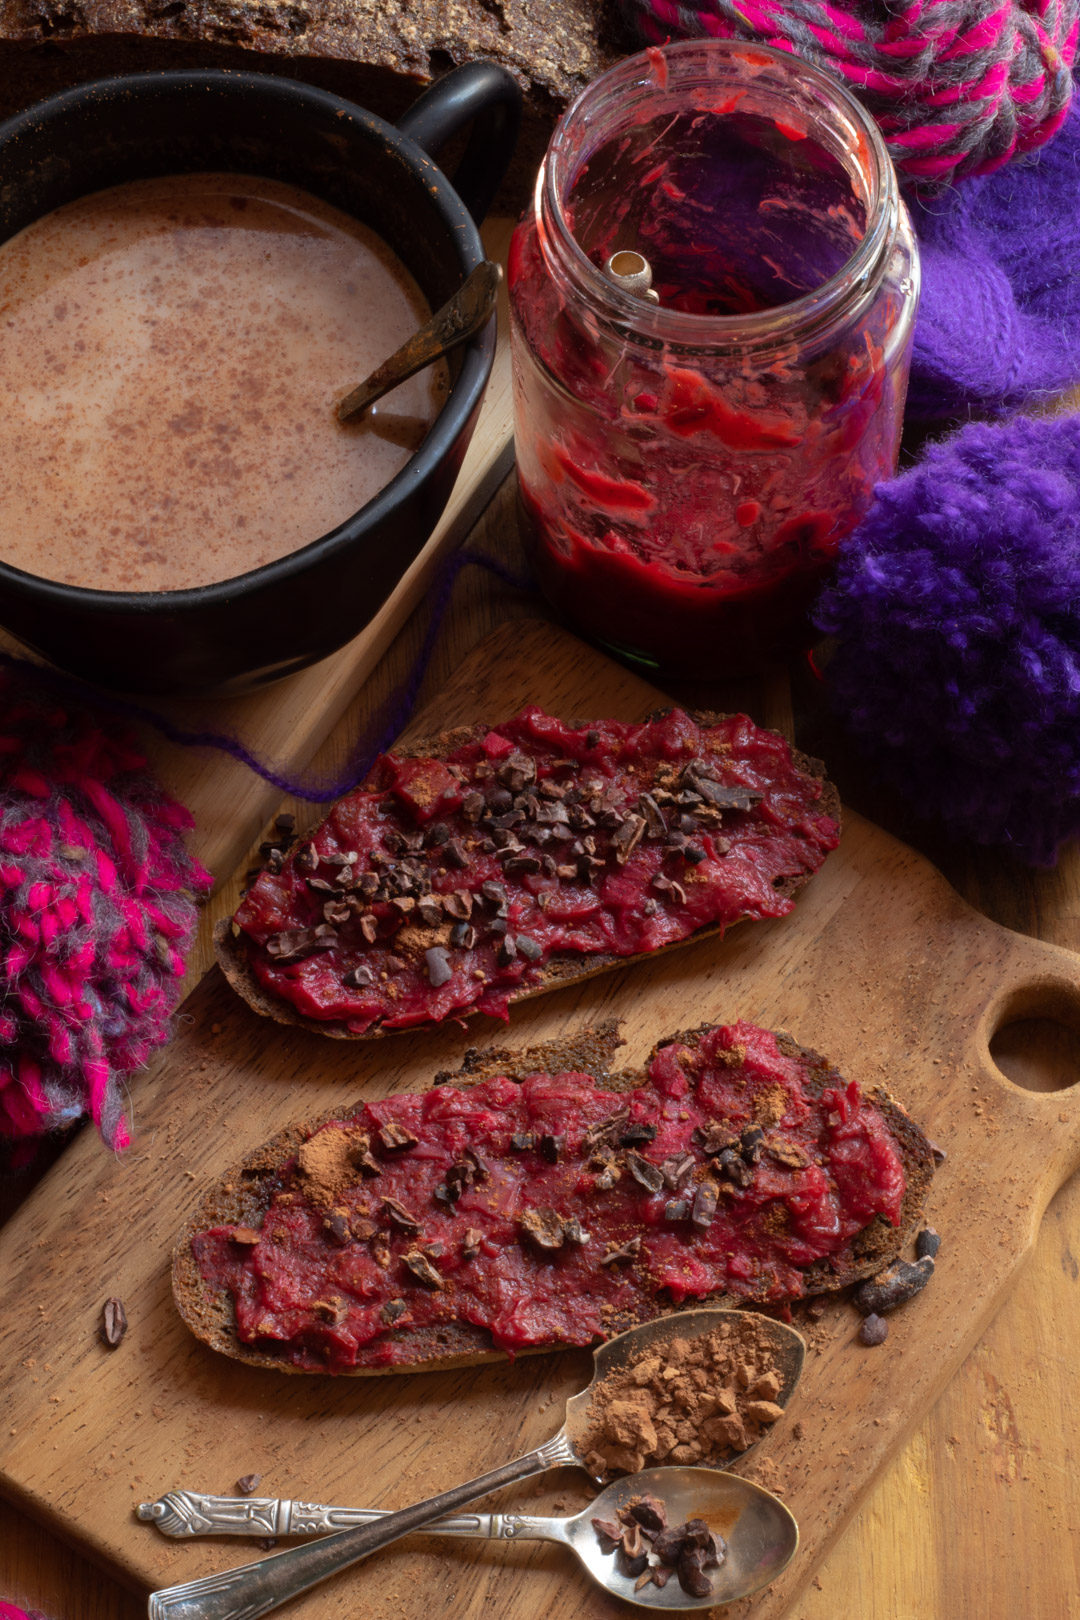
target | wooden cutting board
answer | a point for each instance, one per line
(881, 965)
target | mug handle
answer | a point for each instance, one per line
(489, 96)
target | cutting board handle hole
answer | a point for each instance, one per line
(1036, 1038)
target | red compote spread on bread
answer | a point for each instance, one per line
(556, 1211)
(448, 885)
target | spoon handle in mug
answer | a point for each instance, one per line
(254, 1589)
(459, 319)
(183, 1515)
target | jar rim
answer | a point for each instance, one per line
(798, 318)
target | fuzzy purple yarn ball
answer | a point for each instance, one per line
(956, 611)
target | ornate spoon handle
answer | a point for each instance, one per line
(185, 1514)
(254, 1589)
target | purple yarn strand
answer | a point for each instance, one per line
(378, 737)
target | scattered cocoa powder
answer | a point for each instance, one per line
(325, 1165)
(685, 1401)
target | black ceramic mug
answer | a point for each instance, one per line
(291, 612)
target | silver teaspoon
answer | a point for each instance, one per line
(458, 320)
(254, 1589)
(760, 1533)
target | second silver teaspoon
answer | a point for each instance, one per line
(760, 1534)
(250, 1590)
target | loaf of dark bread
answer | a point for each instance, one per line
(242, 1199)
(378, 53)
(805, 777)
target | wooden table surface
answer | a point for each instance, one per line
(977, 1518)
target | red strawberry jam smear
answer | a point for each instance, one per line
(553, 1211)
(445, 885)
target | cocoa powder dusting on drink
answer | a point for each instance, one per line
(686, 1401)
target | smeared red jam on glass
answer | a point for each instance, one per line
(554, 1211)
(444, 886)
(688, 469)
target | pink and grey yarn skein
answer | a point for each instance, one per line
(97, 906)
(957, 86)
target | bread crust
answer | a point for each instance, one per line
(243, 1195)
(563, 968)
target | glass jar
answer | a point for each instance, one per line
(687, 468)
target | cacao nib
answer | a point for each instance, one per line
(543, 1226)
(927, 1244)
(649, 1512)
(892, 1287)
(714, 1139)
(439, 971)
(626, 837)
(750, 1143)
(692, 1576)
(574, 1232)
(649, 1175)
(422, 1269)
(609, 1532)
(359, 1155)
(395, 1137)
(704, 1209)
(623, 1253)
(735, 1168)
(552, 1147)
(114, 1322)
(400, 1217)
(470, 1244)
(637, 1132)
(726, 798)
(393, 1311)
(292, 944)
(676, 1170)
(336, 1227)
(873, 1330)
(606, 1130)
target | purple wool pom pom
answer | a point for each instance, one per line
(956, 609)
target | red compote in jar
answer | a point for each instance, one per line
(688, 467)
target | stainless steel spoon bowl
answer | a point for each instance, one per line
(761, 1535)
(254, 1589)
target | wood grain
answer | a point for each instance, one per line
(882, 965)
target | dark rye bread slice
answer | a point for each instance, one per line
(231, 944)
(243, 1195)
(378, 53)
